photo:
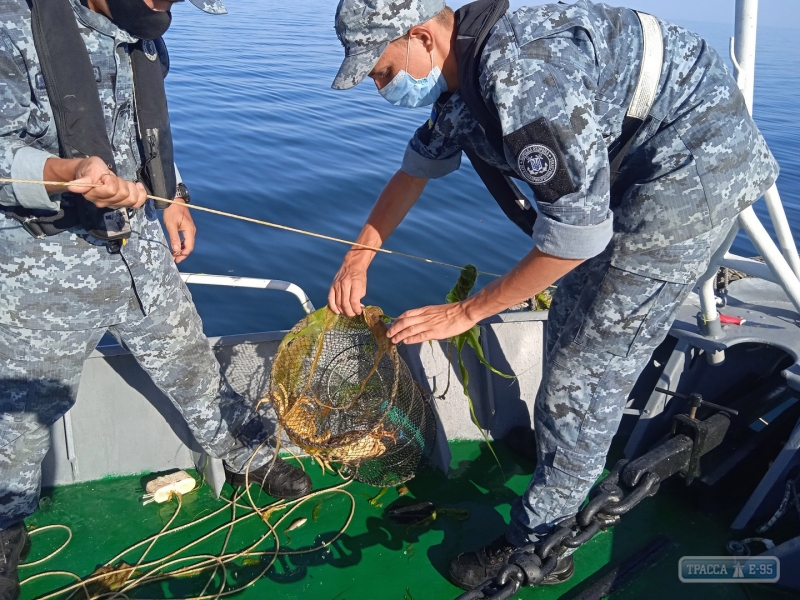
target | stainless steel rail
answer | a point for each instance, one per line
(249, 282)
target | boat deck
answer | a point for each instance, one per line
(373, 558)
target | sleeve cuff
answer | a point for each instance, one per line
(416, 165)
(28, 163)
(577, 242)
(178, 178)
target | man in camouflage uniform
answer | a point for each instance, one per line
(559, 79)
(59, 295)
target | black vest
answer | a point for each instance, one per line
(474, 22)
(71, 86)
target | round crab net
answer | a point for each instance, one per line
(343, 394)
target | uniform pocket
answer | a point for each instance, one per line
(15, 387)
(660, 198)
(622, 305)
(578, 465)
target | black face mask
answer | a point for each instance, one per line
(138, 19)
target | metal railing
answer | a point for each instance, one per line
(781, 265)
(249, 282)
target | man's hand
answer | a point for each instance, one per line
(113, 191)
(348, 288)
(431, 323)
(178, 222)
(350, 284)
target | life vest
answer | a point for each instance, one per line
(474, 23)
(80, 122)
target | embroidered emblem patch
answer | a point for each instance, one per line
(537, 163)
(150, 50)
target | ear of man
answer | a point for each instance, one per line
(445, 19)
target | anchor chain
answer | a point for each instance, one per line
(531, 564)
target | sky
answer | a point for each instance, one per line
(772, 13)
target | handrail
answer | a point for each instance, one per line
(782, 260)
(250, 282)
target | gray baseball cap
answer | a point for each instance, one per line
(214, 7)
(366, 27)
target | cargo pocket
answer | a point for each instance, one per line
(580, 466)
(15, 387)
(659, 199)
(619, 312)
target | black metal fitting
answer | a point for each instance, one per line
(31, 225)
(664, 460)
(647, 486)
(531, 566)
(705, 435)
(607, 493)
(553, 542)
(584, 536)
(711, 329)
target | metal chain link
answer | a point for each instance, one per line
(531, 564)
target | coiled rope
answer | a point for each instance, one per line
(149, 572)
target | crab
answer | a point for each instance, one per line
(299, 410)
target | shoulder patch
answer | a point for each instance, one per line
(538, 164)
(540, 161)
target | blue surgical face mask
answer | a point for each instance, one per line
(409, 92)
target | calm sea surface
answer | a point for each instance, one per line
(260, 132)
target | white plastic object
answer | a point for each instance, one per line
(162, 488)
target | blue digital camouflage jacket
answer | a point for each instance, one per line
(563, 76)
(70, 281)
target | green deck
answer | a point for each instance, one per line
(374, 559)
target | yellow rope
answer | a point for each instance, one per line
(154, 571)
(258, 222)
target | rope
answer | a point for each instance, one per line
(149, 572)
(259, 222)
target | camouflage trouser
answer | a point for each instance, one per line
(602, 329)
(39, 375)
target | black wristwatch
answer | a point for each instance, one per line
(183, 192)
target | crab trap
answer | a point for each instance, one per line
(343, 394)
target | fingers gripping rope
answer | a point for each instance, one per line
(258, 222)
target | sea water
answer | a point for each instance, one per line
(260, 132)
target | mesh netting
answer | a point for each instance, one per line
(343, 394)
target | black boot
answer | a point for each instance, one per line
(278, 478)
(14, 547)
(471, 569)
(522, 442)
